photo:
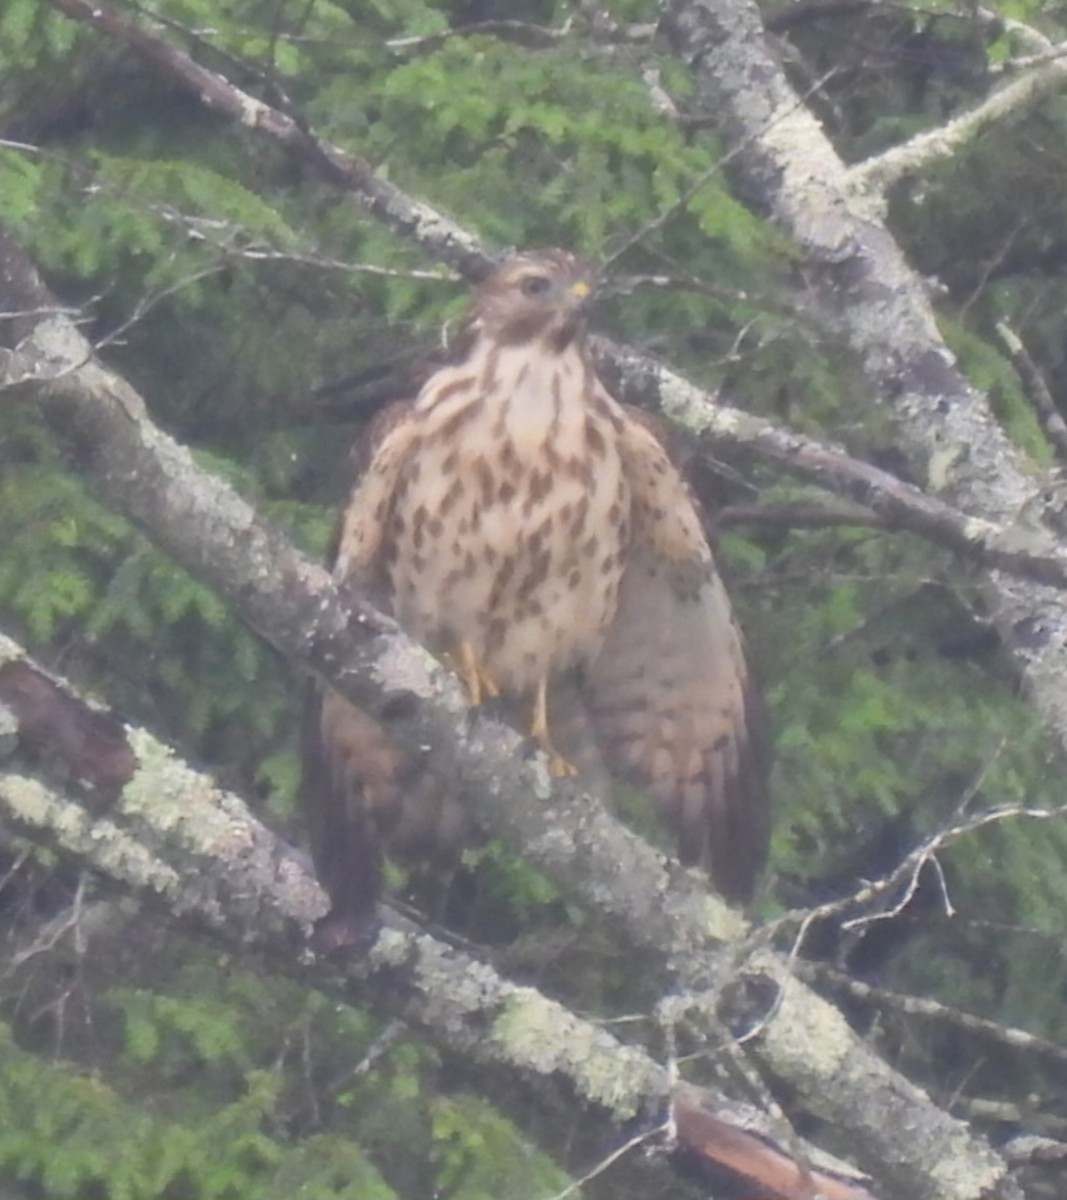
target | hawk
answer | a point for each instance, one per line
(528, 528)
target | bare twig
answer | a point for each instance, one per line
(230, 240)
(1036, 389)
(663, 217)
(1021, 551)
(522, 33)
(907, 871)
(639, 1139)
(69, 921)
(698, 1013)
(223, 872)
(394, 208)
(991, 264)
(934, 1010)
(146, 303)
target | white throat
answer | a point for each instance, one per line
(535, 393)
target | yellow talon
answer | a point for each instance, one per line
(558, 766)
(478, 682)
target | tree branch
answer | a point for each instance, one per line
(173, 838)
(1037, 390)
(863, 292)
(398, 211)
(567, 833)
(1011, 102)
(1055, 1056)
(1010, 544)
(1016, 546)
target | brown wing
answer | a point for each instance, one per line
(361, 791)
(363, 794)
(379, 457)
(346, 757)
(670, 692)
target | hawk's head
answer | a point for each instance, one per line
(539, 295)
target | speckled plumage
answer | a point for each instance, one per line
(497, 514)
(517, 508)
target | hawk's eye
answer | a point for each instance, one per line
(535, 285)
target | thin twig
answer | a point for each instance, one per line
(1036, 390)
(908, 869)
(983, 541)
(932, 1010)
(705, 177)
(522, 33)
(637, 1140)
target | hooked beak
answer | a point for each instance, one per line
(579, 295)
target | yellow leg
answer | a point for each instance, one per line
(557, 764)
(478, 682)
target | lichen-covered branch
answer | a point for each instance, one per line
(1010, 102)
(204, 525)
(863, 292)
(1023, 549)
(564, 831)
(394, 208)
(1004, 543)
(925, 1009)
(171, 837)
(1037, 390)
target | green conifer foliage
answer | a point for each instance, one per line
(239, 292)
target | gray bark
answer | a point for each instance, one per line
(175, 840)
(865, 294)
(887, 1124)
